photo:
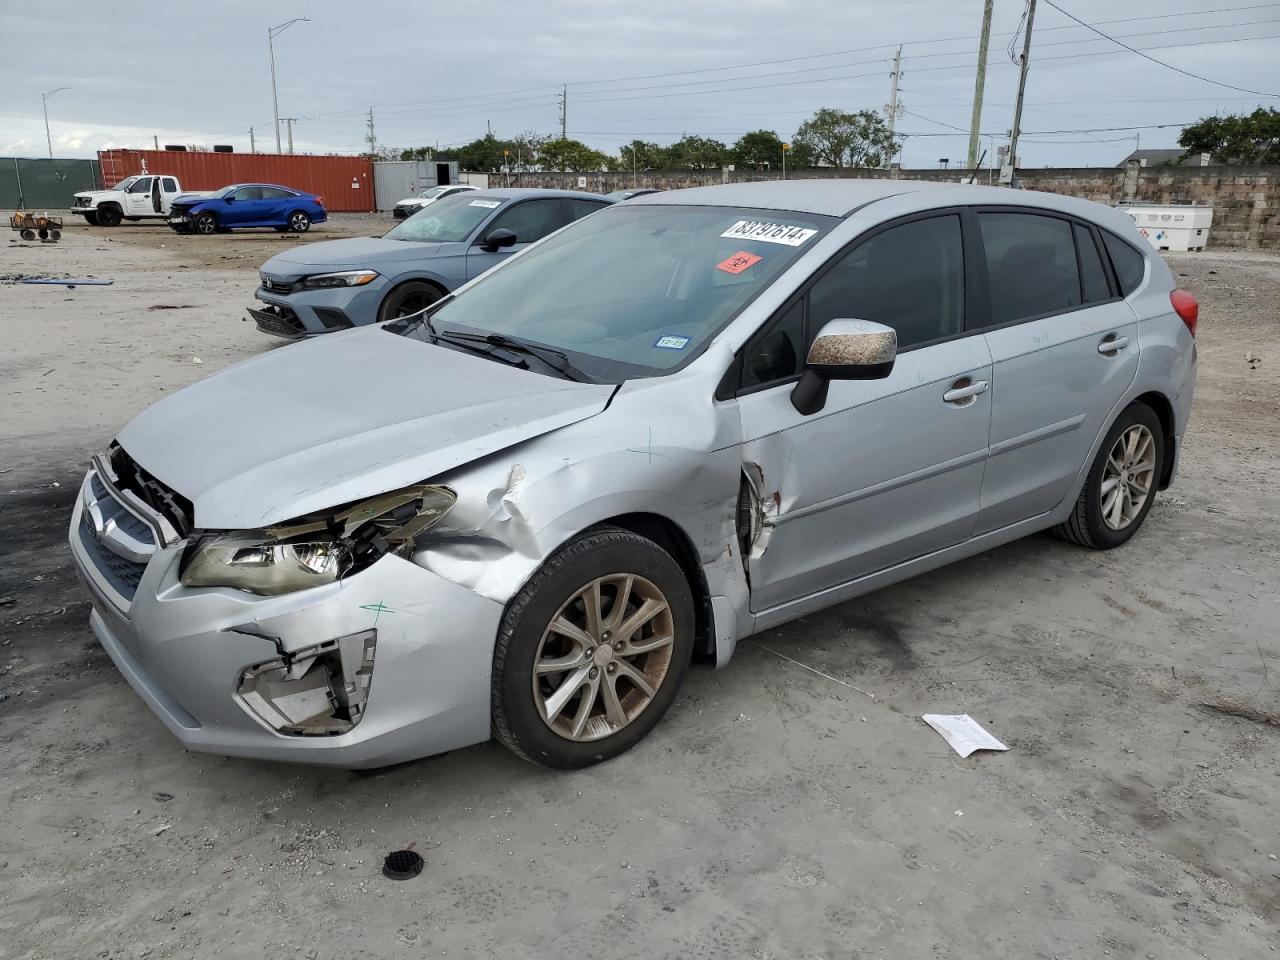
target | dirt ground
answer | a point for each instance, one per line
(778, 812)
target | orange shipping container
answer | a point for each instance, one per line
(344, 183)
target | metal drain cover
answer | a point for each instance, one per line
(402, 865)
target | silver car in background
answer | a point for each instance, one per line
(689, 418)
(411, 205)
(317, 288)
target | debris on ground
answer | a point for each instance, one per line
(172, 306)
(963, 732)
(1253, 360)
(69, 281)
(402, 865)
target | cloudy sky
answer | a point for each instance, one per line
(182, 72)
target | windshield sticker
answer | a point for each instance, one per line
(784, 233)
(739, 262)
(487, 204)
(671, 343)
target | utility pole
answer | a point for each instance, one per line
(272, 33)
(979, 85)
(155, 141)
(253, 147)
(564, 112)
(372, 137)
(1022, 87)
(289, 126)
(45, 97)
(893, 108)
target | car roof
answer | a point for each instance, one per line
(525, 193)
(842, 197)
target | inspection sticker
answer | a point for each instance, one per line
(672, 343)
(738, 262)
(784, 233)
(488, 204)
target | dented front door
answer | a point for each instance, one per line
(889, 470)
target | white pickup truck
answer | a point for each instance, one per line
(144, 196)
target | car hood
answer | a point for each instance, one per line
(96, 193)
(192, 197)
(412, 201)
(354, 253)
(340, 418)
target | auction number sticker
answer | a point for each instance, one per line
(784, 233)
(739, 262)
(487, 204)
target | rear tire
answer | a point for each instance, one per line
(299, 222)
(205, 224)
(408, 298)
(1121, 485)
(109, 216)
(607, 608)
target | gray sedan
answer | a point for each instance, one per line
(684, 420)
(321, 287)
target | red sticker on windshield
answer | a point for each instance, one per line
(738, 262)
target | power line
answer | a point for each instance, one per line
(1186, 73)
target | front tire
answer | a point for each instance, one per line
(109, 216)
(592, 652)
(1121, 485)
(205, 224)
(299, 222)
(408, 298)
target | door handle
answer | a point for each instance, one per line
(964, 390)
(1111, 345)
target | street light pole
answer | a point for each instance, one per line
(45, 97)
(272, 33)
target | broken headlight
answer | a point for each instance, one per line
(319, 549)
(347, 278)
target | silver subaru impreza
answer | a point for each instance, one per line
(693, 416)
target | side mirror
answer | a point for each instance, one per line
(228, 198)
(495, 239)
(844, 350)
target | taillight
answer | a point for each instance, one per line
(1187, 307)
(320, 200)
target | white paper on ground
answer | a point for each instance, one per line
(963, 732)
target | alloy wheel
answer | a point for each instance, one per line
(603, 657)
(299, 223)
(1128, 477)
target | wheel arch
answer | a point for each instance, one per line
(1163, 408)
(668, 535)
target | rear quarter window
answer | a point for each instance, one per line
(1130, 265)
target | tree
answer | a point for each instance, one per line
(837, 138)
(759, 149)
(417, 153)
(1252, 138)
(523, 150)
(648, 156)
(696, 153)
(571, 155)
(483, 155)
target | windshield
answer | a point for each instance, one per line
(449, 220)
(432, 193)
(635, 291)
(125, 183)
(225, 191)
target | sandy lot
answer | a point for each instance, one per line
(777, 811)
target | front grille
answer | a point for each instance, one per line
(83, 201)
(277, 286)
(170, 504)
(120, 572)
(279, 322)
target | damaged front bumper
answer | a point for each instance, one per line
(386, 665)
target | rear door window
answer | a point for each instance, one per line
(169, 185)
(1093, 276)
(1130, 265)
(579, 208)
(276, 193)
(1031, 265)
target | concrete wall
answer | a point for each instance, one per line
(1246, 200)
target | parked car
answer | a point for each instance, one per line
(244, 205)
(619, 195)
(674, 424)
(322, 287)
(141, 197)
(411, 205)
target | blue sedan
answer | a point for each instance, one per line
(247, 205)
